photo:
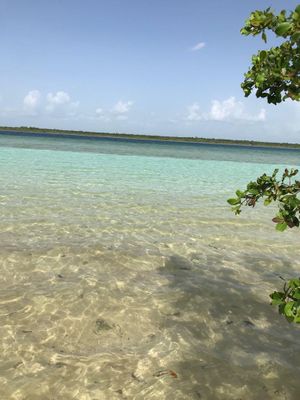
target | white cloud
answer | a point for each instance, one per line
(230, 109)
(55, 100)
(32, 101)
(122, 107)
(198, 46)
(262, 115)
(226, 110)
(58, 98)
(119, 111)
(100, 114)
(60, 103)
(194, 112)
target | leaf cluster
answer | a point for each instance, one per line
(284, 191)
(275, 76)
(288, 301)
(275, 73)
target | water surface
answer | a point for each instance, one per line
(120, 262)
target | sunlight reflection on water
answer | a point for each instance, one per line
(128, 278)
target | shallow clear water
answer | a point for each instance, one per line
(120, 260)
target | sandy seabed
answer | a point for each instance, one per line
(123, 279)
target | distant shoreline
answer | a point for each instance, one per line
(172, 139)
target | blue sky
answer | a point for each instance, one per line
(136, 66)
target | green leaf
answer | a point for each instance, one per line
(281, 226)
(297, 319)
(264, 37)
(253, 191)
(289, 309)
(263, 55)
(294, 283)
(296, 294)
(233, 201)
(267, 202)
(277, 298)
(244, 31)
(296, 37)
(239, 193)
(278, 220)
(283, 28)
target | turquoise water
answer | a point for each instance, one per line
(121, 259)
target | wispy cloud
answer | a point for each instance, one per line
(122, 107)
(194, 112)
(198, 46)
(99, 111)
(101, 114)
(32, 101)
(118, 111)
(224, 110)
(61, 105)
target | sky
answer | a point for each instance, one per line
(162, 67)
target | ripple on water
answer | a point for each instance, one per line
(86, 324)
(127, 278)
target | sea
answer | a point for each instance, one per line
(125, 274)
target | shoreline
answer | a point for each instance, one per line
(135, 137)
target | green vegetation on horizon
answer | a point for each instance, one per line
(32, 129)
